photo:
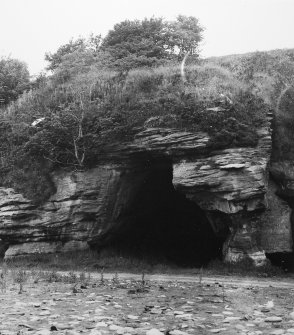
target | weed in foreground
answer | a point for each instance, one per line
(82, 277)
(20, 277)
(53, 277)
(102, 280)
(4, 278)
(200, 275)
(115, 279)
(71, 278)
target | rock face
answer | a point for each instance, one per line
(86, 205)
(232, 187)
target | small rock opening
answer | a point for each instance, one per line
(284, 260)
(162, 224)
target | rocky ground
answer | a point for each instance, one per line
(52, 303)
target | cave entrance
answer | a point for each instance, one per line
(164, 225)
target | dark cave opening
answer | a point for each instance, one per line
(283, 260)
(164, 225)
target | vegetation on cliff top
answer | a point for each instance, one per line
(79, 117)
(99, 94)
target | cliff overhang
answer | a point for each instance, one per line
(164, 188)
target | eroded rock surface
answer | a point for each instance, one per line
(86, 205)
(231, 186)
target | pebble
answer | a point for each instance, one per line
(95, 332)
(277, 332)
(217, 330)
(62, 326)
(43, 332)
(273, 319)
(114, 327)
(184, 316)
(155, 311)
(258, 320)
(231, 318)
(133, 317)
(71, 332)
(154, 331)
(101, 324)
(177, 332)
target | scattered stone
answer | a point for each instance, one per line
(154, 331)
(62, 326)
(177, 332)
(133, 317)
(101, 324)
(73, 332)
(115, 327)
(155, 311)
(277, 332)
(184, 316)
(231, 318)
(217, 330)
(43, 332)
(273, 319)
(95, 332)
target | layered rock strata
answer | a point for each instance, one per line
(230, 186)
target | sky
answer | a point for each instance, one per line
(30, 28)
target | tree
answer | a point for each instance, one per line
(14, 79)
(150, 42)
(79, 45)
(130, 44)
(184, 35)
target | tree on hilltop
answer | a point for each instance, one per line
(133, 44)
(79, 45)
(150, 42)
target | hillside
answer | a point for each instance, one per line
(267, 72)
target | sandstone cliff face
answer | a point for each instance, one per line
(86, 204)
(230, 186)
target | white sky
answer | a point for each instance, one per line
(29, 28)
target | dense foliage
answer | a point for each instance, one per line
(270, 75)
(152, 42)
(266, 73)
(133, 44)
(91, 45)
(14, 79)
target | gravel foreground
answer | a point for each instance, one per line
(68, 303)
